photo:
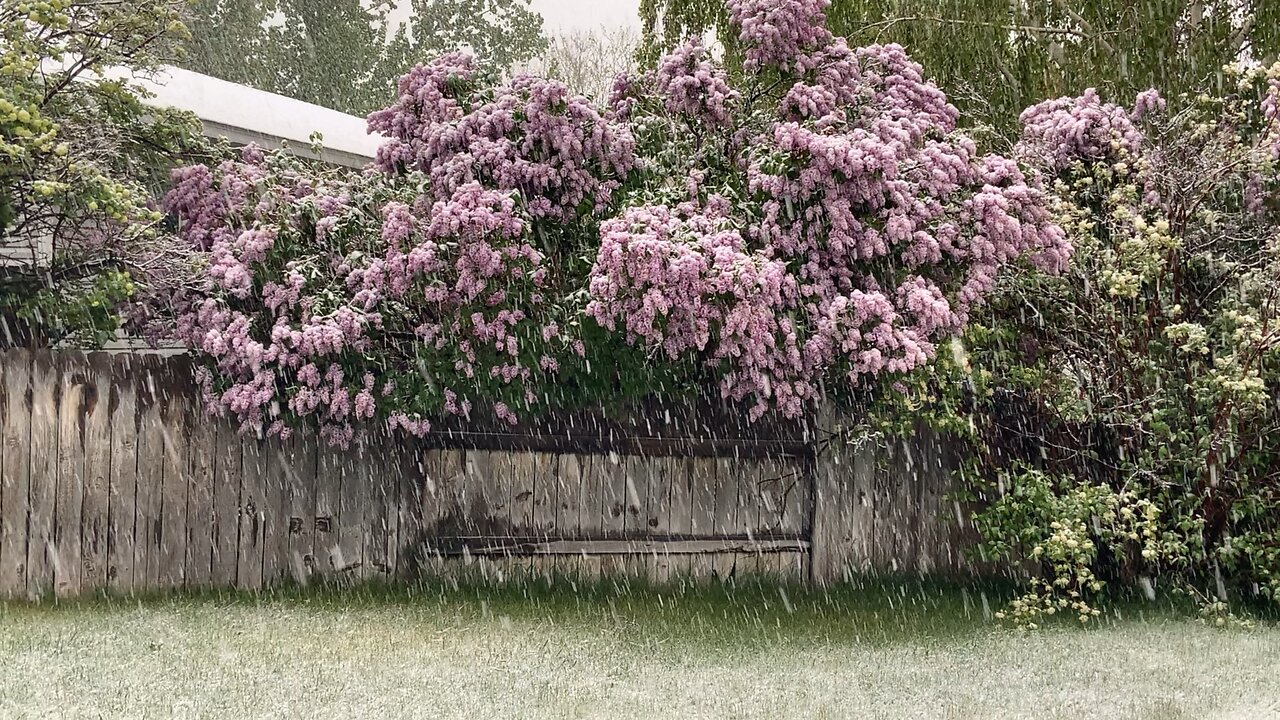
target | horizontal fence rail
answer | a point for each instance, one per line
(113, 480)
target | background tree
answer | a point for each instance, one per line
(348, 54)
(996, 57)
(80, 156)
(587, 60)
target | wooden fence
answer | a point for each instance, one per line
(111, 479)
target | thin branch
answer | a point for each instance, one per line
(1034, 29)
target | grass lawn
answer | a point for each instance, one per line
(884, 651)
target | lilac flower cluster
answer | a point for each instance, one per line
(1070, 130)
(532, 136)
(780, 33)
(693, 86)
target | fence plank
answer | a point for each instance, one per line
(703, 490)
(518, 469)
(69, 496)
(635, 471)
(680, 515)
(390, 469)
(546, 495)
(589, 479)
(228, 469)
(752, 475)
(148, 532)
(930, 525)
(97, 473)
(45, 397)
(894, 500)
(15, 473)
(638, 547)
(438, 490)
(377, 529)
(655, 515)
(568, 508)
(275, 515)
(351, 513)
(489, 475)
(613, 486)
(201, 518)
(300, 451)
(249, 553)
(123, 489)
(173, 523)
(770, 480)
(425, 501)
(513, 472)
(328, 503)
(725, 521)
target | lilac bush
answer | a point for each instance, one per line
(820, 226)
(837, 231)
(319, 311)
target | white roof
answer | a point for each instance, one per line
(243, 114)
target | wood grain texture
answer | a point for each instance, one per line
(177, 481)
(201, 528)
(97, 473)
(299, 454)
(15, 472)
(123, 486)
(252, 515)
(148, 532)
(45, 399)
(353, 513)
(275, 522)
(110, 479)
(380, 526)
(326, 549)
(228, 469)
(69, 495)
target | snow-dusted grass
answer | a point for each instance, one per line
(893, 651)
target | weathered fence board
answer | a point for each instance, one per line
(69, 495)
(227, 467)
(97, 474)
(149, 532)
(326, 549)
(15, 473)
(201, 526)
(298, 455)
(123, 486)
(177, 480)
(45, 399)
(249, 549)
(111, 478)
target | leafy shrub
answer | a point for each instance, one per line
(1147, 375)
(79, 158)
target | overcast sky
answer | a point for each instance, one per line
(587, 14)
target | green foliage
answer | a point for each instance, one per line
(1146, 380)
(347, 54)
(79, 156)
(1065, 525)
